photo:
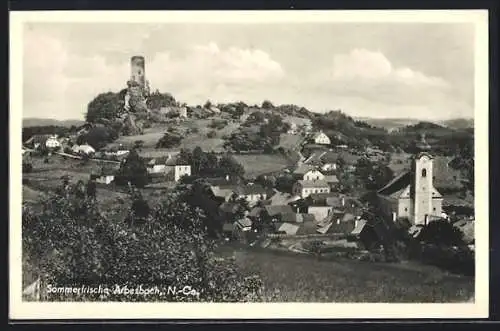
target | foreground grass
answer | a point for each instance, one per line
(295, 278)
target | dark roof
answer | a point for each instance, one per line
(107, 172)
(255, 212)
(307, 228)
(221, 181)
(331, 179)
(229, 207)
(304, 217)
(395, 187)
(303, 169)
(276, 210)
(250, 189)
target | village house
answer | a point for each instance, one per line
(223, 188)
(412, 194)
(45, 141)
(106, 176)
(293, 128)
(253, 193)
(279, 213)
(320, 210)
(304, 188)
(313, 174)
(301, 170)
(321, 138)
(117, 151)
(175, 169)
(286, 228)
(83, 149)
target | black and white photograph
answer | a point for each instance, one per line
(249, 157)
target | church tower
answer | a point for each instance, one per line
(423, 188)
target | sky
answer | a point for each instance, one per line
(378, 70)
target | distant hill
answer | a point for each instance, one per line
(388, 123)
(27, 122)
(396, 123)
(459, 123)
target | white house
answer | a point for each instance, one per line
(321, 138)
(52, 142)
(105, 177)
(304, 188)
(183, 112)
(170, 166)
(157, 165)
(83, 149)
(313, 174)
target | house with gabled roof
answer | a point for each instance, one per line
(171, 166)
(253, 193)
(106, 176)
(304, 188)
(320, 138)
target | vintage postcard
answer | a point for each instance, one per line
(310, 164)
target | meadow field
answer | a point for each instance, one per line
(258, 164)
(290, 277)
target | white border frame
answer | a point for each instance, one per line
(31, 310)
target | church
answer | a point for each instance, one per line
(412, 194)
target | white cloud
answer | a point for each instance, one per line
(60, 84)
(363, 65)
(209, 72)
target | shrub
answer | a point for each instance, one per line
(212, 134)
(169, 140)
(73, 242)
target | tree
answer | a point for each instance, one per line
(91, 189)
(73, 243)
(169, 140)
(138, 144)
(207, 104)
(132, 170)
(105, 106)
(229, 166)
(441, 232)
(266, 104)
(98, 137)
(157, 100)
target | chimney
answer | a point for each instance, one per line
(227, 178)
(338, 220)
(343, 201)
(426, 219)
(393, 216)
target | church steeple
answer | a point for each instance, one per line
(422, 145)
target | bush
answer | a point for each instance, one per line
(169, 140)
(212, 134)
(73, 243)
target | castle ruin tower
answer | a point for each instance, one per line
(138, 70)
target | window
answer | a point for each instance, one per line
(406, 209)
(434, 208)
(424, 172)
